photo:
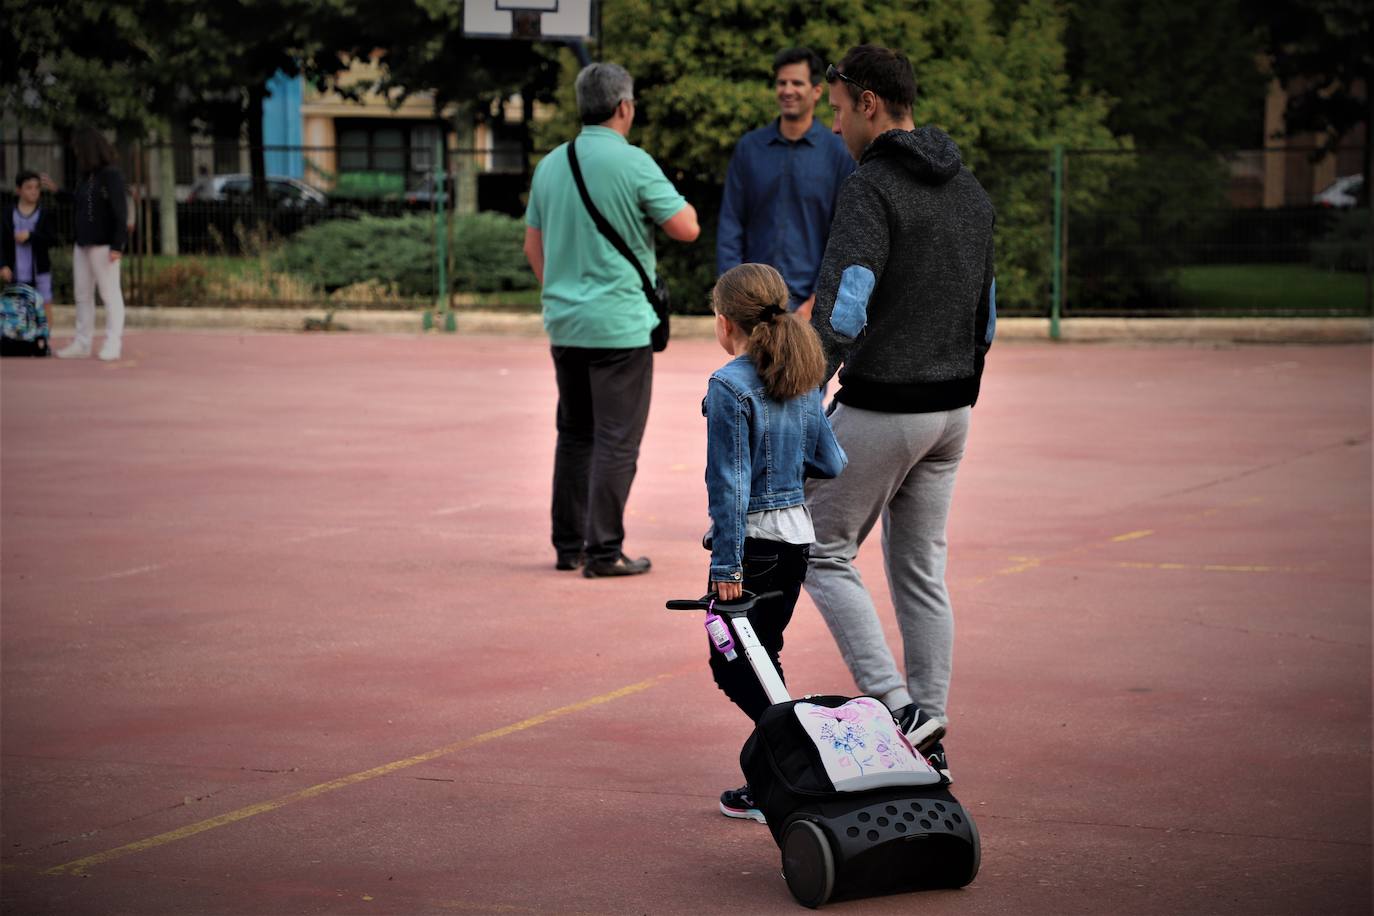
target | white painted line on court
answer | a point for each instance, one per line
(316, 535)
(126, 573)
(454, 510)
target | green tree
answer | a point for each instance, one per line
(130, 64)
(93, 64)
(1181, 74)
(1185, 79)
(702, 72)
(137, 65)
(423, 48)
(1323, 55)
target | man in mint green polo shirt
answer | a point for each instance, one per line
(598, 317)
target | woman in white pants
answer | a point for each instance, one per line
(101, 234)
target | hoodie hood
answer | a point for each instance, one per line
(926, 152)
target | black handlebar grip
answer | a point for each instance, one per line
(740, 605)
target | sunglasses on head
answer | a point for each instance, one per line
(832, 74)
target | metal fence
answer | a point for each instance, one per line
(1079, 232)
(1204, 232)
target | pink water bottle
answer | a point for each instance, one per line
(720, 634)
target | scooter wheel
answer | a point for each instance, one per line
(808, 865)
(975, 854)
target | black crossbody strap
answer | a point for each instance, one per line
(603, 224)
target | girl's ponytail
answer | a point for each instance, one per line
(786, 350)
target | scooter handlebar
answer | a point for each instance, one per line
(742, 605)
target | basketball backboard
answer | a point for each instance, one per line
(549, 20)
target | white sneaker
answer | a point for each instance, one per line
(74, 350)
(109, 352)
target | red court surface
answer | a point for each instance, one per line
(282, 634)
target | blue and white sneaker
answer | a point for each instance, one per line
(740, 803)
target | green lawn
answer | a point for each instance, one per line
(1270, 288)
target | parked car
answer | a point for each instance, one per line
(422, 194)
(1343, 192)
(281, 190)
(219, 208)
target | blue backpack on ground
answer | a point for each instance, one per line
(23, 322)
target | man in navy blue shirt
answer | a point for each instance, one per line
(782, 185)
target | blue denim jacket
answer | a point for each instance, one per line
(758, 452)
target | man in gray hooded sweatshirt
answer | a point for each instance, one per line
(905, 306)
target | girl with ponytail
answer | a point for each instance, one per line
(766, 432)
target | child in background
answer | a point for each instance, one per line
(766, 432)
(102, 231)
(26, 235)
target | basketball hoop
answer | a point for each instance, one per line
(526, 24)
(529, 20)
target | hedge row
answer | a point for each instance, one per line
(401, 252)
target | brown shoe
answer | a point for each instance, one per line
(620, 566)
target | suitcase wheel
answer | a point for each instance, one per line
(808, 864)
(975, 857)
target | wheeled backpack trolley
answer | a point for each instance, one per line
(855, 809)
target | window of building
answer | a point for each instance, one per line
(405, 148)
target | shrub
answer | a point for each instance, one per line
(399, 253)
(1345, 246)
(61, 256)
(490, 255)
(183, 282)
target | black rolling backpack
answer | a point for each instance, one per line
(855, 809)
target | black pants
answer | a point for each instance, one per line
(603, 405)
(768, 566)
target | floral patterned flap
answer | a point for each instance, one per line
(861, 747)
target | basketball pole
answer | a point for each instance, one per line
(486, 19)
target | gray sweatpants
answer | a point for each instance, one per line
(901, 468)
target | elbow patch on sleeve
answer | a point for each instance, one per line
(992, 311)
(850, 314)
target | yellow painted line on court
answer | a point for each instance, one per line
(1026, 563)
(1022, 565)
(466, 907)
(79, 866)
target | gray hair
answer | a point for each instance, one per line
(600, 88)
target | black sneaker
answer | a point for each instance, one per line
(937, 758)
(740, 803)
(920, 729)
(620, 566)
